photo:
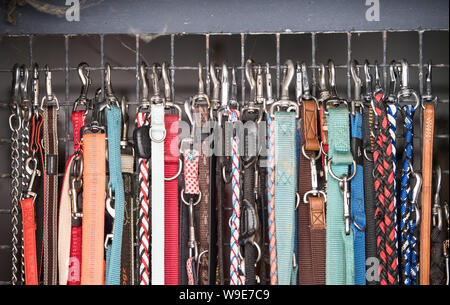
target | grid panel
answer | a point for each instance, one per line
(66, 105)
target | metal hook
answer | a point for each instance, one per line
(438, 184)
(225, 86)
(124, 110)
(166, 80)
(428, 78)
(405, 74)
(233, 98)
(305, 82)
(298, 82)
(269, 85)
(144, 83)
(201, 85)
(393, 73)
(155, 76)
(332, 77)
(415, 194)
(368, 80)
(48, 82)
(83, 73)
(24, 82)
(322, 78)
(216, 86)
(251, 80)
(259, 86)
(16, 83)
(354, 69)
(35, 86)
(287, 79)
(378, 87)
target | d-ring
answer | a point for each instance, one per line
(180, 165)
(157, 140)
(340, 179)
(315, 158)
(224, 175)
(297, 196)
(188, 203)
(357, 226)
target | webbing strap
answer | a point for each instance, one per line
(64, 227)
(50, 245)
(357, 202)
(94, 180)
(271, 200)
(171, 238)
(340, 260)
(235, 278)
(127, 257)
(369, 194)
(157, 134)
(285, 192)
(113, 116)
(29, 241)
(427, 175)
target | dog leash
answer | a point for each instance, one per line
(428, 104)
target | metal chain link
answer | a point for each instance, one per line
(25, 176)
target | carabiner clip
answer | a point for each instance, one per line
(49, 93)
(216, 87)
(356, 101)
(109, 94)
(83, 73)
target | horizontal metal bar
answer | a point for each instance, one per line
(5, 211)
(5, 247)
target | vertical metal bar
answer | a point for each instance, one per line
(278, 63)
(66, 74)
(102, 63)
(313, 59)
(242, 67)
(384, 37)
(208, 87)
(137, 68)
(349, 59)
(420, 32)
(172, 64)
(30, 49)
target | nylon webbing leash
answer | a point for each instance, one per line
(285, 175)
(172, 169)
(407, 224)
(50, 117)
(127, 264)
(340, 252)
(142, 149)
(357, 185)
(115, 187)
(311, 211)
(428, 104)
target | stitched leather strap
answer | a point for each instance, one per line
(94, 179)
(427, 174)
(171, 164)
(311, 214)
(29, 241)
(357, 201)
(157, 133)
(340, 260)
(285, 189)
(50, 195)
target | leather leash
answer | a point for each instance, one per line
(428, 104)
(311, 211)
(50, 117)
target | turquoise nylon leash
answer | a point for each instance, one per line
(339, 256)
(357, 202)
(285, 192)
(114, 250)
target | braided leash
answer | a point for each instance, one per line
(385, 197)
(235, 278)
(143, 254)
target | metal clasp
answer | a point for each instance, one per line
(415, 194)
(112, 213)
(109, 94)
(428, 97)
(284, 101)
(201, 95)
(144, 104)
(437, 211)
(405, 91)
(356, 101)
(269, 98)
(33, 172)
(83, 73)
(76, 183)
(49, 93)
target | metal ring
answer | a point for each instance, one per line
(297, 196)
(200, 256)
(160, 140)
(321, 149)
(180, 165)
(314, 192)
(340, 179)
(188, 203)
(224, 175)
(357, 226)
(365, 155)
(308, 157)
(11, 126)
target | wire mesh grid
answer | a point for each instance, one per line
(67, 105)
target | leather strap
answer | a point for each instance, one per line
(427, 174)
(157, 134)
(340, 260)
(311, 214)
(201, 116)
(171, 164)
(127, 257)
(50, 195)
(29, 241)
(94, 180)
(113, 115)
(285, 190)
(357, 201)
